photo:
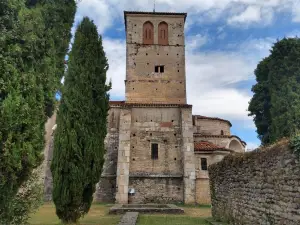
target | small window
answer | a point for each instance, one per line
(203, 163)
(159, 69)
(154, 151)
(222, 132)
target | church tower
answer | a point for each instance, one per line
(155, 57)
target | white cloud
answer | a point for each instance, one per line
(296, 11)
(116, 53)
(105, 12)
(251, 14)
(196, 41)
(99, 11)
(252, 146)
(211, 78)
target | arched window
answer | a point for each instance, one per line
(222, 132)
(148, 33)
(163, 35)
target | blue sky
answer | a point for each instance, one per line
(225, 39)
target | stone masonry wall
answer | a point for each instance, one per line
(160, 126)
(106, 188)
(156, 180)
(156, 190)
(202, 178)
(48, 154)
(260, 187)
(211, 127)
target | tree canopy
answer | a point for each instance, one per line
(276, 101)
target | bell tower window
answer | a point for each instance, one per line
(159, 69)
(148, 33)
(163, 34)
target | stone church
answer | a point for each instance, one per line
(157, 150)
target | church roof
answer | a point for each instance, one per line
(211, 118)
(207, 146)
(156, 13)
(219, 136)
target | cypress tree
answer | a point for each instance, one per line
(26, 68)
(81, 125)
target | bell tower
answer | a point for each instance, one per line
(155, 57)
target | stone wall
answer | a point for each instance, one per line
(156, 190)
(211, 127)
(106, 188)
(160, 126)
(260, 187)
(48, 155)
(202, 178)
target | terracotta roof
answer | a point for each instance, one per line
(116, 102)
(211, 118)
(207, 146)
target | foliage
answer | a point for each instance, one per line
(28, 59)
(259, 106)
(27, 201)
(276, 101)
(295, 143)
(81, 126)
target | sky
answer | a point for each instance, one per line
(225, 40)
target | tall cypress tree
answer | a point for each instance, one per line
(81, 125)
(27, 64)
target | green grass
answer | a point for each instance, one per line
(99, 215)
(169, 220)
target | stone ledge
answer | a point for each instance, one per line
(130, 218)
(108, 176)
(123, 104)
(156, 176)
(146, 208)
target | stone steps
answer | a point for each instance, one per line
(130, 218)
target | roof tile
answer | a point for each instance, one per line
(206, 146)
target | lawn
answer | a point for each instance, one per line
(99, 215)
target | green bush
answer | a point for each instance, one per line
(27, 201)
(295, 144)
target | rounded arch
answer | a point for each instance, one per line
(163, 33)
(148, 33)
(235, 146)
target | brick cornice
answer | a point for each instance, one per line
(123, 104)
(219, 136)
